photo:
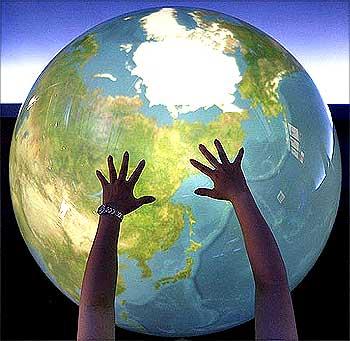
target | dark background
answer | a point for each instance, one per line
(32, 308)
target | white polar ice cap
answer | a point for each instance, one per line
(185, 69)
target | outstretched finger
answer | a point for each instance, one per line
(136, 173)
(112, 171)
(209, 156)
(204, 169)
(223, 157)
(147, 199)
(205, 192)
(124, 166)
(239, 156)
(102, 179)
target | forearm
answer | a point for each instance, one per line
(263, 253)
(100, 275)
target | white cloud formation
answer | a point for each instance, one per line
(126, 47)
(128, 66)
(105, 75)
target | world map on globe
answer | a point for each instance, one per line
(156, 83)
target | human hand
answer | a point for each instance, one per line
(228, 177)
(119, 191)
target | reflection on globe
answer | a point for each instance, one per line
(157, 83)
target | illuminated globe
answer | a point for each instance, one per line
(157, 83)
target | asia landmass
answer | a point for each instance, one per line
(65, 150)
(266, 61)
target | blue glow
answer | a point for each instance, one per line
(35, 31)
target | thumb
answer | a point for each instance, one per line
(147, 199)
(205, 192)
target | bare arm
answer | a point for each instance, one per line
(274, 315)
(96, 307)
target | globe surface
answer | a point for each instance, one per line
(157, 83)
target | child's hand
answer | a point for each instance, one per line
(228, 178)
(120, 191)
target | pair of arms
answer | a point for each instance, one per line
(274, 315)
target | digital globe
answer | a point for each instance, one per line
(157, 83)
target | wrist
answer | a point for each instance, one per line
(240, 196)
(116, 205)
(111, 211)
(109, 219)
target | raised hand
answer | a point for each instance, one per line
(119, 191)
(228, 177)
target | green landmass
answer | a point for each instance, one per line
(71, 147)
(57, 83)
(160, 224)
(191, 221)
(121, 285)
(180, 275)
(266, 61)
(194, 246)
(131, 323)
(124, 315)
